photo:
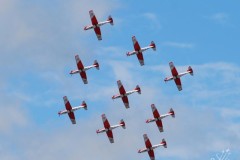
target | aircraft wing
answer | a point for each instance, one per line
(121, 88)
(93, 17)
(69, 108)
(151, 154)
(67, 103)
(178, 83)
(160, 125)
(84, 77)
(105, 121)
(147, 141)
(140, 58)
(72, 117)
(98, 33)
(110, 136)
(135, 44)
(79, 63)
(155, 111)
(125, 101)
(173, 69)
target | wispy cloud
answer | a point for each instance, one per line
(153, 20)
(178, 45)
(220, 17)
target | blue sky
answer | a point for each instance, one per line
(37, 45)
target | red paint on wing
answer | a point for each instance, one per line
(151, 154)
(97, 31)
(140, 57)
(71, 115)
(178, 81)
(137, 46)
(148, 143)
(122, 90)
(125, 100)
(156, 114)
(68, 106)
(94, 20)
(159, 123)
(83, 75)
(174, 71)
(109, 134)
(80, 65)
(106, 124)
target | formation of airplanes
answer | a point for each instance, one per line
(123, 94)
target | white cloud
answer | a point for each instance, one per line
(40, 39)
(13, 115)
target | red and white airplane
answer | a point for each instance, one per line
(139, 51)
(70, 110)
(108, 129)
(176, 77)
(81, 69)
(149, 148)
(123, 94)
(158, 119)
(96, 26)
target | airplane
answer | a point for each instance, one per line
(139, 51)
(158, 119)
(96, 26)
(149, 148)
(176, 77)
(123, 94)
(70, 110)
(108, 129)
(81, 69)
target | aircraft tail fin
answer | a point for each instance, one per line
(110, 20)
(96, 64)
(153, 46)
(190, 70)
(172, 113)
(84, 104)
(164, 143)
(138, 89)
(122, 123)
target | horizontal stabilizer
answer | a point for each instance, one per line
(110, 20)
(153, 46)
(122, 123)
(190, 70)
(172, 113)
(84, 104)
(138, 89)
(164, 143)
(96, 64)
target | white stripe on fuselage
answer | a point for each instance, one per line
(81, 70)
